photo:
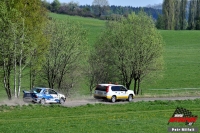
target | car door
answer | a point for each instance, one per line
(54, 95)
(123, 92)
(116, 91)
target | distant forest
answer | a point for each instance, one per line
(107, 12)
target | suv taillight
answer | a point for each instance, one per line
(107, 89)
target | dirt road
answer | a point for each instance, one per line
(73, 103)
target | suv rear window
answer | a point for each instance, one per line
(101, 88)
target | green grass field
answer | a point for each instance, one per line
(139, 117)
(181, 58)
(92, 26)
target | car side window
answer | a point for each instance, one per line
(115, 88)
(123, 88)
(52, 92)
(46, 92)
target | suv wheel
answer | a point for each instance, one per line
(130, 98)
(42, 101)
(113, 99)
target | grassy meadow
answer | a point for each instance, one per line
(92, 26)
(181, 58)
(139, 117)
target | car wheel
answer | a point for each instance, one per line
(113, 99)
(130, 98)
(42, 101)
(62, 101)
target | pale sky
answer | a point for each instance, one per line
(133, 3)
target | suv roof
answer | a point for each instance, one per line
(110, 85)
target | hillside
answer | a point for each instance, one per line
(93, 26)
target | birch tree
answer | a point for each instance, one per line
(8, 42)
(20, 28)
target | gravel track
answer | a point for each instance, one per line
(80, 102)
(73, 103)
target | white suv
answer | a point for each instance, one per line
(113, 92)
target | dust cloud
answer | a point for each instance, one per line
(13, 102)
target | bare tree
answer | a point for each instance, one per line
(66, 49)
(100, 6)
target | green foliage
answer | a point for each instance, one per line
(160, 22)
(129, 49)
(55, 5)
(192, 15)
(183, 23)
(68, 45)
(134, 117)
(175, 15)
(198, 15)
(22, 26)
(168, 14)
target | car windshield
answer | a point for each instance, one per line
(36, 90)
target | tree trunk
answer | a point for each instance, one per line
(6, 69)
(31, 84)
(20, 75)
(135, 86)
(15, 65)
(128, 85)
(138, 87)
(20, 60)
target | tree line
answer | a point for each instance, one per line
(179, 15)
(98, 9)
